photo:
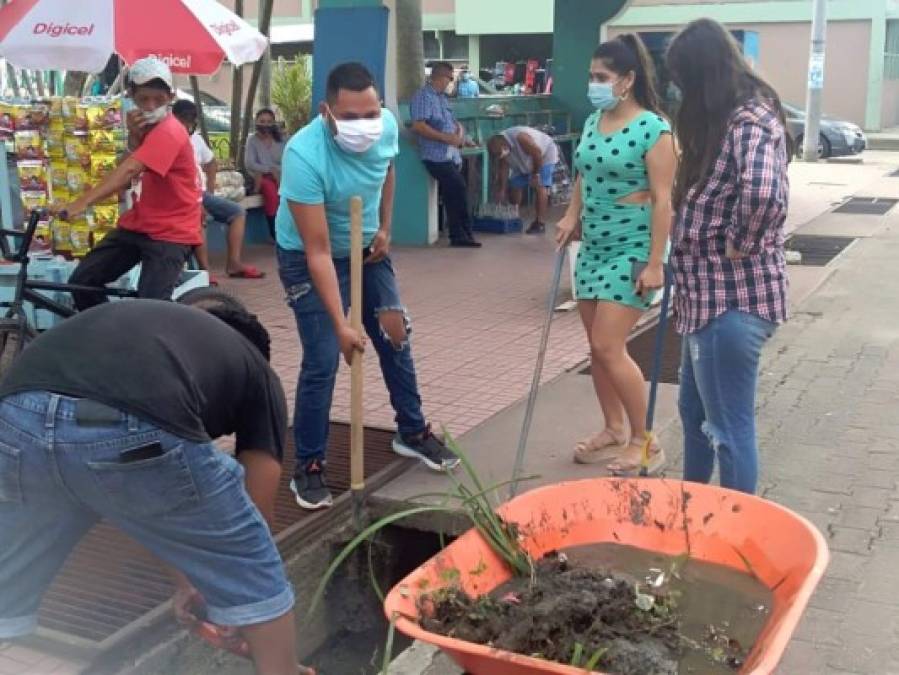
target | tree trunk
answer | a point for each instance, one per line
(195, 90)
(409, 49)
(236, 98)
(265, 83)
(265, 21)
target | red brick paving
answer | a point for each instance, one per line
(476, 316)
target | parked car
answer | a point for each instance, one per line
(838, 138)
(216, 112)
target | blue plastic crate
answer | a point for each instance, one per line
(496, 225)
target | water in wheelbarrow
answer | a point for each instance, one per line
(617, 609)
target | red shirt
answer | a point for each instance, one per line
(167, 196)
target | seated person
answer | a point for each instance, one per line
(263, 161)
(221, 210)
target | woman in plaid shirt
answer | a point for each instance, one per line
(730, 200)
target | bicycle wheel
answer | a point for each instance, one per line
(210, 297)
(14, 337)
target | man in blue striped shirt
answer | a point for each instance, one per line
(439, 138)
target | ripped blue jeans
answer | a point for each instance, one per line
(718, 381)
(321, 350)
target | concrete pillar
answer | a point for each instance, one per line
(474, 54)
(576, 28)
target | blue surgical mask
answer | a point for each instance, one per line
(602, 95)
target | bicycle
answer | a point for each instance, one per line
(16, 330)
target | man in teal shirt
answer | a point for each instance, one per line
(346, 151)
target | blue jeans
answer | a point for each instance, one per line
(59, 475)
(718, 379)
(321, 350)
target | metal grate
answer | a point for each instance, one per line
(641, 349)
(818, 250)
(110, 581)
(869, 206)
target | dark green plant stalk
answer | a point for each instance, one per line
(500, 536)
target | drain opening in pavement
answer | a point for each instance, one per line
(641, 350)
(818, 250)
(110, 581)
(870, 206)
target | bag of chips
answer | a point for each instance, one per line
(77, 178)
(104, 141)
(79, 123)
(80, 237)
(101, 166)
(59, 173)
(32, 117)
(42, 242)
(30, 146)
(7, 122)
(105, 116)
(33, 177)
(62, 236)
(99, 233)
(105, 215)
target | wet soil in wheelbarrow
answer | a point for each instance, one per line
(615, 609)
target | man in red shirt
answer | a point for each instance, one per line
(163, 225)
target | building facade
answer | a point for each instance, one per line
(861, 81)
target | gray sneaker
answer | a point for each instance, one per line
(427, 448)
(310, 488)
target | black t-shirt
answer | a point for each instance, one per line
(178, 367)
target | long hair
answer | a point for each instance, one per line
(706, 64)
(627, 53)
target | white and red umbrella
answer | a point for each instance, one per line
(192, 36)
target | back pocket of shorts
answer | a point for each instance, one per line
(148, 488)
(10, 475)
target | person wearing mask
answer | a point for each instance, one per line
(439, 138)
(111, 416)
(262, 159)
(220, 209)
(621, 212)
(163, 225)
(530, 156)
(467, 87)
(730, 280)
(346, 151)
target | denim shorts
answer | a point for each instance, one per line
(523, 180)
(59, 475)
(221, 210)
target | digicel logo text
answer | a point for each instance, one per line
(173, 60)
(57, 29)
(228, 28)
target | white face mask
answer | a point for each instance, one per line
(157, 115)
(357, 136)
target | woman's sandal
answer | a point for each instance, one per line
(655, 465)
(599, 447)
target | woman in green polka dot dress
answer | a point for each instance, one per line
(621, 212)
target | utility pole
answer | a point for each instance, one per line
(815, 81)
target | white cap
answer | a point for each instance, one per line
(150, 68)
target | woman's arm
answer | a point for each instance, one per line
(251, 159)
(661, 164)
(762, 187)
